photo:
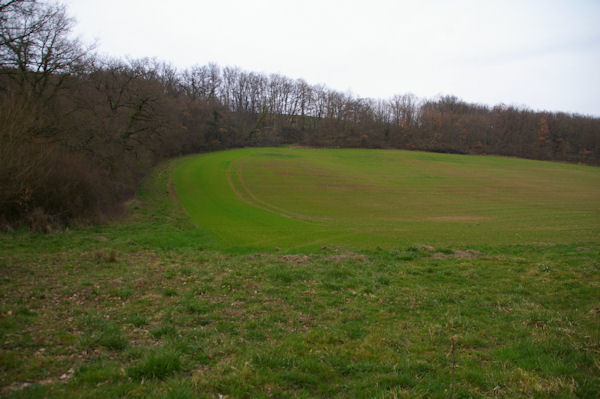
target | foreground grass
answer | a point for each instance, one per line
(146, 309)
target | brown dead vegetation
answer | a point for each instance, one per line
(348, 257)
(458, 254)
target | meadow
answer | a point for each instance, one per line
(303, 199)
(297, 273)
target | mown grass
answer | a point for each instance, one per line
(153, 307)
(302, 199)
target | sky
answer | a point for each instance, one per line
(543, 55)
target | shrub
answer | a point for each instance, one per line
(44, 184)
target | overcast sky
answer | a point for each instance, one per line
(541, 54)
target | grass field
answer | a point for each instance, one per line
(302, 199)
(447, 301)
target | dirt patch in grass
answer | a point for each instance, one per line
(468, 254)
(458, 254)
(295, 259)
(349, 257)
(582, 249)
(458, 218)
(454, 218)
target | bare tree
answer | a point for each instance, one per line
(35, 48)
(10, 12)
(202, 83)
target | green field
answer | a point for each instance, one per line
(297, 273)
(303, 199)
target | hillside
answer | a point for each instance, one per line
(307, 198)
(155, 306)
(79, 131)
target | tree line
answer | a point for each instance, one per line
(78, 131)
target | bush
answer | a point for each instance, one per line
(44, 183)
(43, 187)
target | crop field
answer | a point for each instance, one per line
(305, 273)
(303, 199)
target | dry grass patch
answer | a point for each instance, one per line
(348, 257)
